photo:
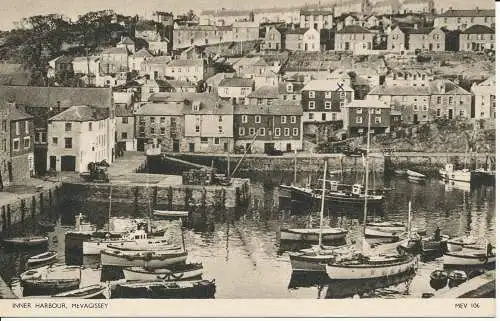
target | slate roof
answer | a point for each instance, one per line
(64, 97)
(158, 109)
(421, 30)
(315, 12)
(265, 92)
(325, 85)
(278, 107)
(236, 82)
(450, 88)
(127, 41)
(186, 63)
(400, 91)
(180, 83)
(143, 53)
(354, 29)
(478, 29)
(469, 13)
(373, 103)
(282, 87)
(122, 111)
(209, 104)
(115, 51)
(297, 31)
(81, 114)
(14, 112)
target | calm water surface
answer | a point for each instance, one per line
(240, 250)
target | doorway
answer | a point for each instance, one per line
(415, 119)
(68, 163)
(268, 147)
(191, 147)
(52, 162)
(175, 146)
(450, 113)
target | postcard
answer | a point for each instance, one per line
(200, 159)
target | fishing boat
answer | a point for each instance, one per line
(459, 243)
(174, 273)
(439, 279)
(203, 289)
(171, 214)
(469, 258)
(26, 241)
(415, 176)
(42, 258)
(382, 236)
(353, 197)
(377, 270)
(387, 226)
(146, 259)
(315, 258)
(49, 280)
(154, 244)
(95, 291)
(331, 234)
(137, 239)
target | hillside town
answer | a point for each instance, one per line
(259, 81)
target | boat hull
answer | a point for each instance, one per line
(144, 275)
(357, 272)
(89, 292)
(313, 236)
(26, 242)
(109, 258)
(49, 286)
(95, 247)
(464, 259)
(161, 290)
(309, 263)
(42, 259)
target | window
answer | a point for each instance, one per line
(462, 113)
(277, 132)
(424, 108)
(359, 111)
(341, 104)
(197, 129)
(54, 140)
(312, 105)
(378, 111)
(415, 108)
(359, 120)
(244, 119)
(204, 140)
(439, 99)
(220, 119)
(311, 116)
(251, 131)
(15, 144)
(216, 140)
(293, 119)
(269, 101)
(328, 94)
(90, 126)
(378, 120)
(41, 137)
(26, 127)
(262, 131)
(286, 131)
(152, 119)
(124, 135)
(241, 131)
(283, 119)
(259, 101)
(67, 127)
(27, 142)
(450, 100)
(295, 131)
(221, 130)
(152, 130)
(68, 142)
(342, 94)
(328, 105)
(162, 120)
(162, 131)
(438, 112)
(257, 119)
(312, 94)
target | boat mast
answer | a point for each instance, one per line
(367, 171)
(295, 168)
(409, 218)
(322, 204)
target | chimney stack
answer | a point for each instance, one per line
(415, 26)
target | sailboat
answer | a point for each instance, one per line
(315, 258)
(386, 269)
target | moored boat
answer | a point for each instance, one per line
(415, 176)
(42, 258)
(159, 244)
(170, 214)
(94, 246)
(203, 289)
(459, 243)
(315, 258)
(49, 280)
(383, 236)
(312, 234)
(146, 259)
(26, 241)
(95, 291)
(469, 258)
(174, 273)
(400, 172)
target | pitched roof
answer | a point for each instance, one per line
(64, 97)
(326, 85)
(116, 51)
(469, 13)
(354, 29)
(488, 86)
(85, 59)
(186, 63)
(278, 107)
(367, 103)
(450, 88)
(127, 41)
(316, 12)
(283, 86)
(209, 104)
(81, 114)
(478, 29)
(236, 82)
(157, 109)
(121, 110)
(400, 91)
(180, 84)
(265, 92)
(296, 31)
(161, 60)
(14, 112)
(420, 30)
(143, 53)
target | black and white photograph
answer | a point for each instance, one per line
(325, 150)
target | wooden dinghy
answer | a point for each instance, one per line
(170, 214)
(469, 258)
(26, 241)
(95, 291)
(145, 259)
(312, 234)
(203, 289)
(42, 258)
(174, 273)
(50, 280)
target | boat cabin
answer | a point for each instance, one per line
(356, 189)
(334, 186)
(138, 235)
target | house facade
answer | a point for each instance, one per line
(463, 19)
(264, 95)
(273, 40)
(235, 89)
(86, 65)
(155, 67)
(265, 128)
(138, 60)
(20, 165)
(449, 100)
(416, 6)
(303, 40)
(484, 99)
(396, 40)
(114, 60)
(78, 136)
(316, 19)
(188, 70)
(125, 128)
(477, 38)
(353, 37)
(358, 117)
(430, 39)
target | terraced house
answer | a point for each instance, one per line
(477, 38)
(427, 39)
(353, 37)
(463, 19)
(235, 89)
(484, 99)
(266, 128)
(449, 100)
(316, 18)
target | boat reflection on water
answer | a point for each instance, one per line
(308, 279)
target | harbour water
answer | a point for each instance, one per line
(240, 249)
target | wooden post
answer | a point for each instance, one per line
(42, 210)
(23, 206)
(50, 199)
(33, 206)
(9, 218)
(136, 200)
(4, 219)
